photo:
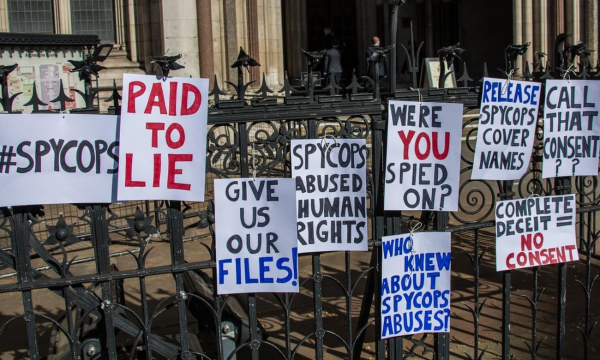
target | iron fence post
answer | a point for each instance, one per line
(100, 241)
(19, 237)
(176, 230)
(394, 30)
(563, 187)
(506, 194)
(441, 341)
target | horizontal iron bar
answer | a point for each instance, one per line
(158, 270)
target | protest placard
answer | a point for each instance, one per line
(163, 138)
(423, 156)
(415, 287)
(331, 194)
(571, 128)
(256, 237)
(57, 158)
(535, 231)
(506, 129)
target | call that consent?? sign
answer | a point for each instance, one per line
(58, 158)
(163, 137)
(506, 129)
(256, 237)
(331, 194)
(571, 128)
(535, 231)
(423, 156)
(415, 287)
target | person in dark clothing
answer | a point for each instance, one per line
(333, 61)
(383, 70)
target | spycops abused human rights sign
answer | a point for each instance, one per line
(571, 128)
(415, 287)
(163, 136)
(423, 156)
(535, 231)
(58, 158)
(256, 237)
(331, 194)
(506, 130)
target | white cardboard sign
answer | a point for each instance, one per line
(163, 138)
(535, 231)
(256, 238)
(415, 288)
(571, 128)
(423, 156)
(506, 129)
(57, 158)
(331, 194)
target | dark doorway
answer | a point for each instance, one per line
(338, 15)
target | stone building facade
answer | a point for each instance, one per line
(209, 33)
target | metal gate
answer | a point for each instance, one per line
(111, 311)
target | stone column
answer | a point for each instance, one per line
(180, 35)
(591, 29)
(270, 41)
(573, 21)
(518, 29)
(542, 35)
(4, 16)
(231, 45)
(205, 41)
(253, 47)
(120, 28)
(527, 34)
(296, 37)
(62, 16)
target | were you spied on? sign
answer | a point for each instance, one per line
(423, 156)
(163, 137)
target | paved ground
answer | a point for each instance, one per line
(13, 343)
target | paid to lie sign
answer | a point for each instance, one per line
(163, 138)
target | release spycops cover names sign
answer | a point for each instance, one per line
(506, 129)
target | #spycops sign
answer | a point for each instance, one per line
(256, 245)
(535, 231)
(56, 158)
(571, 128)
(163, 136)
(423, 156)
(506, 130)
(331, 194)
(415, 287)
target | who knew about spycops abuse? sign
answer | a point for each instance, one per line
(506, 130)
(571, 128)
(415, 287)
(331, 194)
(256, 237)
(535, 231)
(163, 136)
(423, 156)
(58, 158)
